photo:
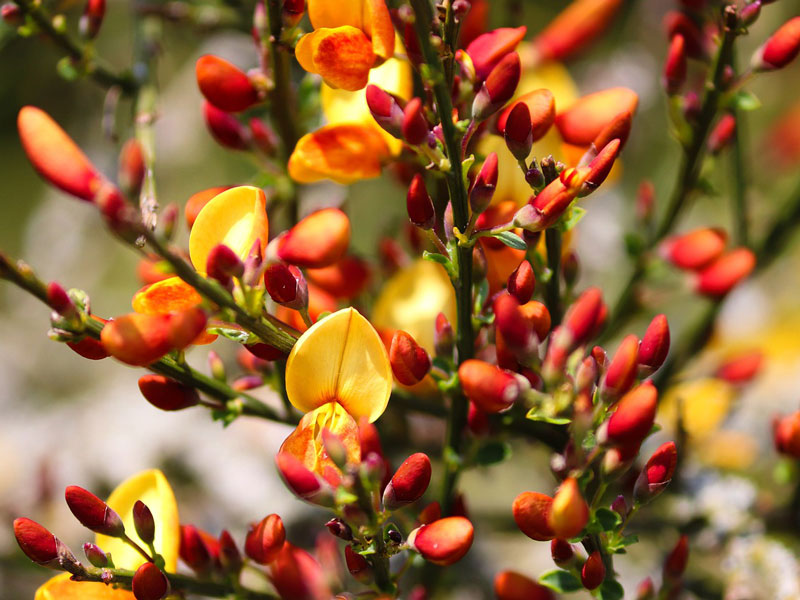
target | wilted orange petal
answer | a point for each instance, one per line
(583, 121)
(318, 240)
(344, 153)
(342, 56)
(55, 156)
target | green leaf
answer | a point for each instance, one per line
(608, 519)
(561, 581)
(439, 258)
(237, 335)
(534, 415)
(746, 101)
(618, 547)
(571, 219)
(68, 69)
(492, 453)
(610, 589)
(512, 240)
(481, 294)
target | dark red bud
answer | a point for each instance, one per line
(409, 482)
(415, 126)
(143, 522)
(419, 204)
(518, 131)
(149, 583)
(593, 572)
(93, 513)
(522, 282)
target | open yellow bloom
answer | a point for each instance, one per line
(338, 372)
(349, 38)
(152, 488)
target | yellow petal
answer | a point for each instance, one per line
(304, 52)
(152, 488)
(340, 358)
(412, 298)
(61, 588)
(324, 13)
(237, 218)
(165, 296)
(703, 403)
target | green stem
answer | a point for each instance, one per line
(283, 105)
(380, 559)
(97, 71)
(552, 292)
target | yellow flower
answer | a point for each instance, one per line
(152, 488)
(338, 372)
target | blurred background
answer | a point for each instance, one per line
(67, 420)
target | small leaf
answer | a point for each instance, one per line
(68, 69)
(492, 453)
(237, 335)
(561, 581)
(610, 589)
(512, 240)
(437, 258)
(746, 101)
(608, 519)
(535, 414)
(575, 214)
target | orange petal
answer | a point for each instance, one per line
(342, 56)
(575, 28)
(583, 121)
(324, 13)
(166, 296)
(305, 442)
(318, 240)
(137, 339)
(344, 153)
(378, 26)
(224, 85)
(346, 278)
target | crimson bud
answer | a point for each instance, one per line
(621, 372)
(657, 473)
(721, 276)
(654, 346)
(223, 263)
(675, 65)
(521, 282)
(780, 49)
(143, 522)
(443, 542)
(593, 571)
(93, 513)
(224, 85)
(265, 539)
(167, 394)
(149, 583)
(410, 362)
(224, 128)
(633, 417)
(415, 126)
(675, 563)
(492, 389)
(480, 195)
(409, 482)
(385, 110)
(419, 204)
(38, 544)
(498, 88)
(531, 512)
(518, 131)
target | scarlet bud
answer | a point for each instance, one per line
(224, 128)
(676, 561)
(521, 282)
(286, 285)
(443, 336)
(786, 434)
(600, 167)
(357, 565)
(721, 276)
(780, 49)
(443, 542)
(36, 542)
(415, 126)
(575, 27)
(302, 482)
(167, 394)
(498, 88)
(223, 263)
(569, 512)
(675, 65)
(678, 23)
(487, 50)
(409, 482)
(229, 555)
(518, 131)
(340, 529)
(410, 362)
(95, 555)
(12, 14)
(561, 552)
(541, 113)
(722, 134)
(59, 300)
(489, 387)
(509, 585)
(292, 12)
(516, 330)
(89, 348)
(584, 120)
(143, 522)
(657, 473)
(583, 316)
(419, 204)
(646, 590)
(696, 249)
(618, 128)
(385, 110)
(621, 372)
(92, 18)
(531, 512)
(655, 345)
(149, 583)
(317, 241)
(131, 168)
(265, 539)
(193, 549)
(224, 85)
(93, 513)
(593, 571)
(741, 368)
(480, 195)
(633, 417)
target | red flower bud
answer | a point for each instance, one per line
(677, 23)
(569, 512)
(541, 113)
(263, 136)
(302, 482)
(586, 376)
(131, 168)
(224, 128)
(194, 549)
(12, 14)
(297, 575)
(487, 50)
(292, 12)
(675, 65)
(621, 372)
(655, 344)
(410, 362)
(489, 387)
(741, 368)
(593, 571)
(143, 522)
(229, 555)
(531, 512)
(509, 585)
(498, 88)
(385, 110)
(721, 276)
(443, 336)
(59, 300)
(781, 48)
(36, 542)
(223, 263)
(676, 562)
(265, 539)
(409, 482)
(224, 85)
(600, 167)
(722, 134)
(696, 249)
(480, 195)
(522, 282)
(618, 128)
(657, 473)
(516, 330)
(443, 542)
(583, 316)
(575, 27)
(357, 565)
(149, 583)
(93, 513)
(92, 18)
(518, 131)
(561, 552)
(415, 126)
(95, 555)
(786, 434)
(634, 416)
(419, 204)
(286, 285)
(317, 241)
(646, 590)
(582, 122)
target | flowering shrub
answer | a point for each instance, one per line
(472, 312)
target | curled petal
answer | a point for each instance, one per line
(342, 56)
(342, 359)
